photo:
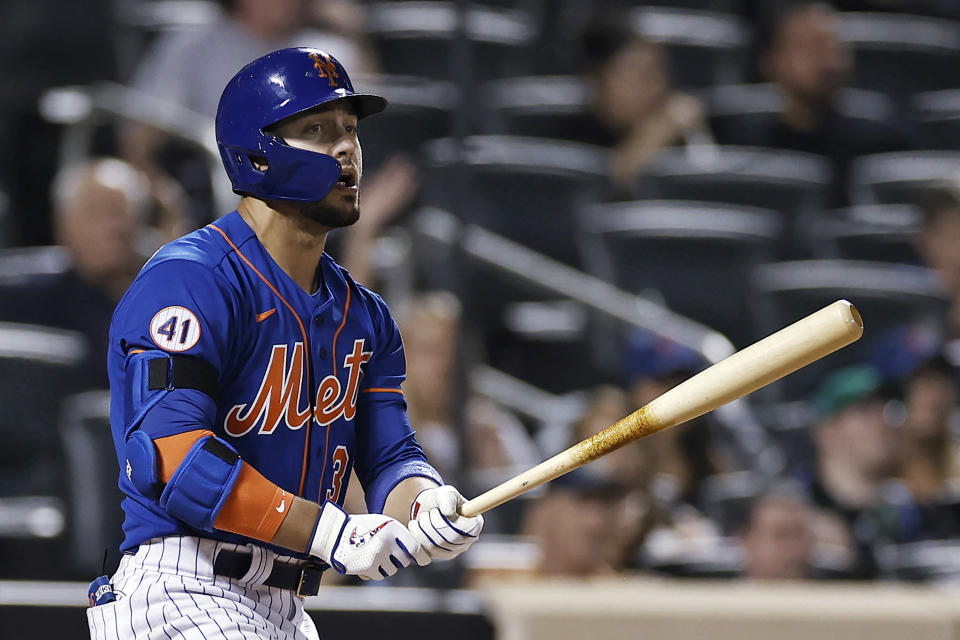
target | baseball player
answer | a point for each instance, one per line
(250, 374)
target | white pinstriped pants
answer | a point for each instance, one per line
(168, 590)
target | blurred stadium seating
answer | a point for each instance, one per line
(713, 246)
(889, 50)
(420, 38)
(791, 183)
(739, 107)
(937, 115)
(899, 178)
(889, 294)
(703, 48)
(527, 189)
(675, 247)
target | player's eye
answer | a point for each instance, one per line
(351, 128)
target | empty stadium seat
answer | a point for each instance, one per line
(698, 256)
(528, 331)
(6, 224)
(418, 38)
(20, 264)
(792, 183)
(37, 370)
(884, 232)
(743, 107)
(789, 425)
(526, 189)
(929, 561)
(420, 110)
(723, 6)
(901, 54)
(900, 178)
(936, 115)
(96, 518)
(557, 107)
(886, 295)
(704, 48)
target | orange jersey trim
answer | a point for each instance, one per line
(333, 355)
(306, 345)
(343, 323)
(381, 390)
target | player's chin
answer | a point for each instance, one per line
(336, 210)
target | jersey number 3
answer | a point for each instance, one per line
(340, 459)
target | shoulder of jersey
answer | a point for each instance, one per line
(204, 246)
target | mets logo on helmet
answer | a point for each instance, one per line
(278, 399)
(325, 68)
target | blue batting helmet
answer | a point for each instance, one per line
(276, 86)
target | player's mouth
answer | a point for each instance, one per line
(348, 180)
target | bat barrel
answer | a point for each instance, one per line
(794, 347)
(763, 362)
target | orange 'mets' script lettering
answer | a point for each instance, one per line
(278, 397)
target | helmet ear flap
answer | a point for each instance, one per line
(241, 165)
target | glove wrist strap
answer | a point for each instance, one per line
(330, 526)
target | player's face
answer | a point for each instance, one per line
(332, 130)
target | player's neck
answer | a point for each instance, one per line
(295, 243)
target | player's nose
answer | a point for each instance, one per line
(346, 149)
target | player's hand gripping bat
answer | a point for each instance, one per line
(777, 355)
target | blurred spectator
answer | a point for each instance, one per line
(922, 499)
(940, 244)
(430, 326)
(684, 455)
(386, 194)
(778, 539)
(637, 113)
(631, 467)
(188, 69)
(575, 525)
(855, 458)
(660, 519)
(809, 63)
(44, 44)
(928, 455)
(98, 207)
(496, 446)
(632, 464)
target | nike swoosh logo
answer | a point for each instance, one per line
(283, 502)
(266, 314)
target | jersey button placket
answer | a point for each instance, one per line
(322, 351)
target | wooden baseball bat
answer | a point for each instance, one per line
(819, 334)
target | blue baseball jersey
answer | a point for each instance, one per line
(308, 385)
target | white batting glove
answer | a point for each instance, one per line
(437, 526)
(371, 545)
